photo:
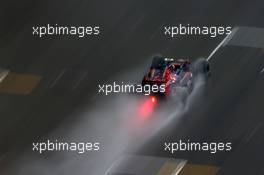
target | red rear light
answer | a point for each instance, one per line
(153, 99)
(147, 107)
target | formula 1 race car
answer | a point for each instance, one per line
(176, 75)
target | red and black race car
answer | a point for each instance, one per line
(176, 75)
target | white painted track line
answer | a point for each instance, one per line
(58, 77)
(253, 132)
(112, 166)
(84, 74)
(262, 71)
(179, 168)
(3, 74)
(224, 42)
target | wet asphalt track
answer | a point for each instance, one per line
(232, 106)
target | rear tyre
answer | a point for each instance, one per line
(201, 67)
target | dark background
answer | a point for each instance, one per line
(131, 31)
